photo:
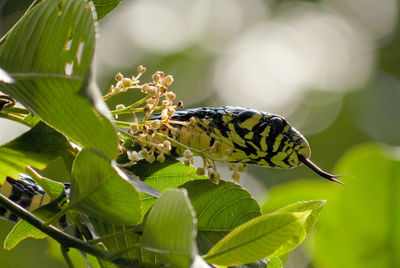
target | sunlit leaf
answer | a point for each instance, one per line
(49, 53)
(170, 229)
(315, 207)
(266, 236)
(220, 207)
(36, 148)
(100, 191)
(275, 263)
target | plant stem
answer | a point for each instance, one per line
(15, 118)
(131, 107)
(64, 239)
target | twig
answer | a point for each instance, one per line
(66, 240)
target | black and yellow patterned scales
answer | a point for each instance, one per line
(245, 136)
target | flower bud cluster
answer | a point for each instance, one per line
(152, 138)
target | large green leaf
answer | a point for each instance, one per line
(170, 229)
(35, 148)
(99, 190)
(220, 207)
(266, 236)
(103, 7)
(49, 53)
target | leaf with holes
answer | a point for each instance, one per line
(48, 54)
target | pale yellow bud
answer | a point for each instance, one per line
(168, 80)
(134, 128)
(242, 168)
(151, 158)
(126, 82)
(187, 154)
(200, 171)
(236, 176)
(171, 112)
(144, 153)
(120, 107)
(141, 69)
(147, 108)
(161, 158)
(119, 77)
(166, 103)
(156, 77)
(167, 145)
(155, 124)
(151, 90)
(144, 88)
(170, 96)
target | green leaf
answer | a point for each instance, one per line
(220, 207)
(49, 53)
(315, 207)
(129, 239)
(52, 188)
(360, 226)
(266, 236)
(170, 229)
(36, 148)
(264, 263)
(103, 7)
(23, 229)
(275, 263)
(99, 190)
(162, 176)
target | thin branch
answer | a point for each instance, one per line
(66, 240)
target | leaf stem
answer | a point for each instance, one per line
(131, 108)
(16, 118)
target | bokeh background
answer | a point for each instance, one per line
(331, 67)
